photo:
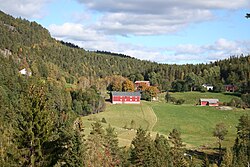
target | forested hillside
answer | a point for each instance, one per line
(38, 125)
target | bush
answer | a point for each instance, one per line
(246, 98)
(132, 124)
(145, 96)
(103, 120)
(180, 101)
(173, 99)
(203, 90)
(235, 102)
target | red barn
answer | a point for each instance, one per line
(125, 97)
(139, 83)
(209, 102)
(231, 88)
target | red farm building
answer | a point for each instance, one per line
(140, 83)
(231, 88)
(209, 102)
(125, 97)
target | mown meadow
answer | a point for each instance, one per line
(196, 123)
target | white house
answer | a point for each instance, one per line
(25, 72)
(208, 87)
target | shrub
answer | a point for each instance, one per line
(173, 99)
(235, 102)
(246, 98)
(103, 120)
(180, 101)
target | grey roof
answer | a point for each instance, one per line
(210, 100)
(126, 93)
(141, 81)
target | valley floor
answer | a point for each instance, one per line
(196, 123)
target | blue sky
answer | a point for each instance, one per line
(163, 31)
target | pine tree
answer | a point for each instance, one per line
(177, 151)
(34, 126)
(98, 153)
(162, 155)
(111, 144)
(167, 97)
(70, 144)
(142, 149)
(241, 148)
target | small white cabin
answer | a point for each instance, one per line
(208, 87)
(25, 72)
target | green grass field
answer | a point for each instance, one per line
(195, 123)
(192, 98)
(120, 117)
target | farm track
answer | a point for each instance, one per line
(149, 116)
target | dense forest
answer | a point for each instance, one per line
(39, 123)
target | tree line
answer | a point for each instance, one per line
(34, 133)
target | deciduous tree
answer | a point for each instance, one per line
(220, 132)
(128, 86)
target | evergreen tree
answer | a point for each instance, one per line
(167, 97)
(241, 149)
(70, 150)
(142, 149)
(162, 155)
(177, 151)
(98, 152)
(111, 144)
(34, 126)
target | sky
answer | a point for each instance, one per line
(163, 31)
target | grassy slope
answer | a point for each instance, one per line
(120, 116)
(196, 123)
(193, 97)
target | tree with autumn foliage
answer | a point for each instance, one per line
(142, 87)
(128, 86)
(150, 93)
(115, 82)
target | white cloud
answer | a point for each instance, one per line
(24, 8)
(74, 31)
(220, 49)
(85, 37)
(149, 24)
(150, 17)
(138, 17)
(91, 39)
(160, 6)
